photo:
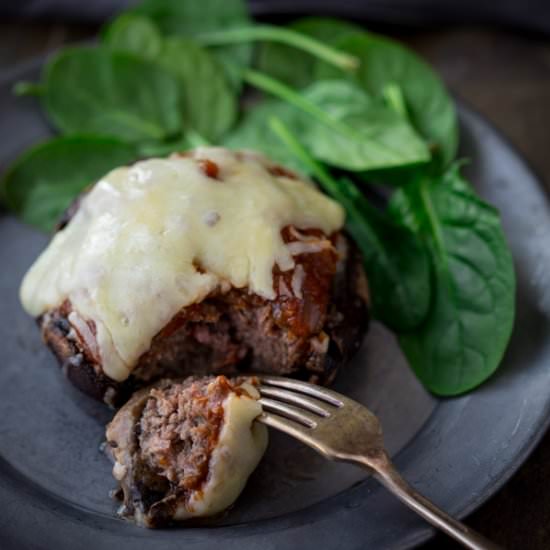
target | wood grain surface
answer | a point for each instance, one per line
(506, 77)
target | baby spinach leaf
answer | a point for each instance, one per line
(209, 104)
(401, 175)
(463, 339)
(346, 128)
(395, 260)
(371, 135)
(41, 184)
(190, 18)
(385, 62)
(135, 34)
(295, 67)
(98, 91)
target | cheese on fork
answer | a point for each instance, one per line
(157, 236)
(241, 445)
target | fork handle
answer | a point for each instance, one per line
(386, 473)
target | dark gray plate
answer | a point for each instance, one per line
(54, 482)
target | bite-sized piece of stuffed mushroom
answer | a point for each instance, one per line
(206, 262)
(185, 449)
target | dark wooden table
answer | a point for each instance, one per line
(506, 77)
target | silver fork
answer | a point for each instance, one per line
(342, 429)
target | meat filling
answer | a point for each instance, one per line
(179, 429)
(311, 328)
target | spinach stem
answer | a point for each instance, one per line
(289, 37)
(295, 147)
(26, 88)
(393, 96)
(431, 216)
(343, 191)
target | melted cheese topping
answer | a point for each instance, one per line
(241, 445)
(160, 235)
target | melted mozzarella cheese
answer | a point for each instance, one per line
(160, 235)
(241, 445)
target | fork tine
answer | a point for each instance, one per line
(328, 396)
(294, 413)
(295, 399)
(299, 431)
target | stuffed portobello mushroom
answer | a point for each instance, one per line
(206, 262)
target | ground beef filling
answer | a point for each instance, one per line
(180, 427)
(312, 326)
(232, 331)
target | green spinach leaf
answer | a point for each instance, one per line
(396, 261)
(371, 136)
(463, 339)
(98, 91)
(41, 184)
(344, 127)
(209, 103)
(294, 67)
(383, 63)
(190, 18)
(135, 34)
